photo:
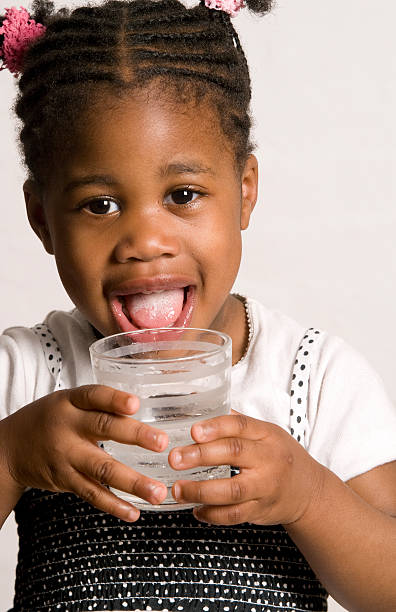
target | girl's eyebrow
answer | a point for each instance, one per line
(186, 167)
(90, 179)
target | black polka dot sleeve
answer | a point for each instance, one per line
(51, 352)
(299, 386)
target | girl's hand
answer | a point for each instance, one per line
(51, 444)
(278, 479)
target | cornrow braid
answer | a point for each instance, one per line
(122, 45)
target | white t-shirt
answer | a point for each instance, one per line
(351, 421)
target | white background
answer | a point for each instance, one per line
(321, 246)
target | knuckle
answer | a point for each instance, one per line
(143, 433)
(200, 450)
(113, 395)
(110, 396)
(234, 515)
(89, 495)
(235, 447)
(61, 480)
(238, 490)
(268, 432)
(274, 490)
(290, 460)
(198, 494)
(104, 421)
(243, 422)
(140, 431)
(90, 393)
(137, 484)
(104, 471)
(282, 457)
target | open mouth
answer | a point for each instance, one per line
(171, 307)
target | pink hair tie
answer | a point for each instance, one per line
(228, 6)
(19, 31)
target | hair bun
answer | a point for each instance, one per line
(43, 11)
(259, 6)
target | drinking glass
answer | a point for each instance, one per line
(181, 376)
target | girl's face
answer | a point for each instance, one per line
(150, 199)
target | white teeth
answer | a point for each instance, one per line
(147, 292)
(158, 291)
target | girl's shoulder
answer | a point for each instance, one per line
(351, 419)
(280, 337)
(29, 354)
(275, 338)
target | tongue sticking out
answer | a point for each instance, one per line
(155, 309)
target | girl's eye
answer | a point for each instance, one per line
(182, 196)
(102, 207)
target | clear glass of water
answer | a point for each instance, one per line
(181, 376)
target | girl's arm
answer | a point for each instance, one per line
(10, 490)
(348, 536)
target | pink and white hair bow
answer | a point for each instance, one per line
(19, 30)
(228, 6)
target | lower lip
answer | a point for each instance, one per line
(183, 320)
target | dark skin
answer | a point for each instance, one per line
(145, 232)
(151, 151)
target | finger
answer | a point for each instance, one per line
(106, 399)
(230, 425)
(100, 467)
(227, 515)
(222, 491)
(101, 498)
(106, 426)
(228, 451)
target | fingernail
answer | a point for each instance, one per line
(176, 457)
(197, 516)
(157, 492)
(199, 431)
(131, 404)
(132, 515)
(177, 492)
(160, 439)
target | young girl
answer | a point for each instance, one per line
(135, 133)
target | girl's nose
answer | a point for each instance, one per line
(146, 237)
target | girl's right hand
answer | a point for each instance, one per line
(51, 444)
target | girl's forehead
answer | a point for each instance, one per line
(140, 139)
(153, 118)
(148, 131)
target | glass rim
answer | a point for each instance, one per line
(100, 355)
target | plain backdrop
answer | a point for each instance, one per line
(321, 246)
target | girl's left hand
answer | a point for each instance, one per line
(278, 479)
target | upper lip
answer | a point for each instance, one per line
(151, 283)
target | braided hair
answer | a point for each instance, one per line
(120, 46)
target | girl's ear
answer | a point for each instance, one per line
(249, 189)
(36, 214)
